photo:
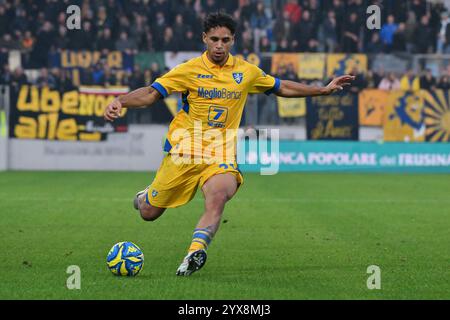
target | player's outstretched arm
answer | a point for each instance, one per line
(292, 89)
(141, 97)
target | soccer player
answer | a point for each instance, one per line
(214, 90)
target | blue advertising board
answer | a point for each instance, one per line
(345, 156)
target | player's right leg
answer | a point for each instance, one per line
(174, 185)
(147, 211)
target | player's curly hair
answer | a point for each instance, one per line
(219, 19)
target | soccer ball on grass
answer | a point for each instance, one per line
(125, 259)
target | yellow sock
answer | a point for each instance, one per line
(200, 240)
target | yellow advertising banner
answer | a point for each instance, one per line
(42, 113)
(280, 60)
(371, 106)
(437, 115)
(404, 118)
(291, 107)
(311, 66)
(340, 64)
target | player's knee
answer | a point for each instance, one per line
(219, 198)
(150, 214)
(148, 217)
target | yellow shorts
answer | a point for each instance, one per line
(176, 184)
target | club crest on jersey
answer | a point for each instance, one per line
(238, 76)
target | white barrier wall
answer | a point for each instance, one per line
(3, 154)
(138, 150)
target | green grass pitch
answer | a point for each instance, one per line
(288, 236)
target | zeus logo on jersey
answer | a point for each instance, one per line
(205, 76)
(215, 93)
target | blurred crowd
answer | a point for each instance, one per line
(62, 80)
(380, 79)
(39, 26)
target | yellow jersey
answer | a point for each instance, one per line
(213, 99)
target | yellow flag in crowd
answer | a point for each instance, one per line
(311, 65)
(340, 64)
(280, 60)
(404, 117)
(371, 107)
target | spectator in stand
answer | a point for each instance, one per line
(82, 39)
(399, 39)
(390, 82)
(283, 46)
(149, 77)
(124, 44)
(5, 22)
(422, 37)
(189, 42)
(109, 78)
(259, 22)
(265, 45)
(427, 81)
(187, 11)
(444, 82)
(371, 80)
(245, 44)
(20, 21)
(210, 6)
(294, 11)
(5, 75)
(103, 20)
(341, 16)
(105, 42)
(155, 70)
(290, 73)
(179, 29)
(375, 46)
(169, 43)
(378, 75)
(87, 76)
(282, 28)
(410, 31)
(410, 82)
(351, 34)
(446, 47)
(360, 81)
(419, 7)
(137, 79)
(387, 33)
(18, 79)
(138, 31)
(56, 75)
(9, 43)
(61, 40)
(329, 29)
(46, 79)
(441, 45)
(158, 27)
(305, 33)
(258, 18)
(65, 81)
(27, 41)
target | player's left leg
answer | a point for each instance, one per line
(217, 190)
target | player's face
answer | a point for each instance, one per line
(219, 42)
